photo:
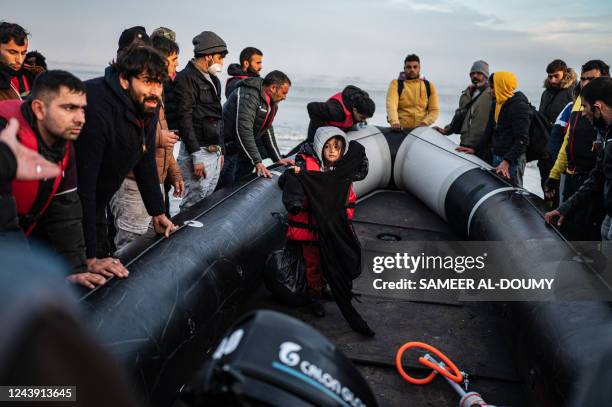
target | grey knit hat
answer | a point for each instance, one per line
(480, 66)
(207, 42)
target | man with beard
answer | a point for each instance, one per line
(119, 136)
(575, 145)
(193, 107)
(129, 212)
(471, 118)
(411, 101)
(597, 108)
(249, 137)
(558, 92)
(250, 66)
(50, 210)
(15, 77)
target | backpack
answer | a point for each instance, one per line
(400, 89)
(539, 133)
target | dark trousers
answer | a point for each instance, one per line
(235, 167)
(583, 223)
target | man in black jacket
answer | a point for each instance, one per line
(508, 130)
(342, 110)
(50, 210)
(597, 103)
(119, 136)
(247, 117)
(249, 67)
(193, 106)
(558, 92)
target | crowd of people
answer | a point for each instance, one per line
(94, 163)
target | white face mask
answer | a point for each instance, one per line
(214, 69)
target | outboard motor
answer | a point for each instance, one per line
(271, 359)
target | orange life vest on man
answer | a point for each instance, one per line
(302, 226)
(348, 115)
(30, 206)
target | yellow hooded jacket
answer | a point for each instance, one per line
(504, 83)
(413, 108)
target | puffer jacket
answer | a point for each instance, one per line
(236, 74)
(193, 106)
(509, 137)
(248, 115)
(553, 100)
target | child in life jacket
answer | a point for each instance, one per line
(328, 147)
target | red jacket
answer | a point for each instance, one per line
(348, 116)
(302, 226)
(29, 203)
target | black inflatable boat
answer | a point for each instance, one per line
(183, 293)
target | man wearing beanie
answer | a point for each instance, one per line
(342, 110)
(193, 107)
(471, 118)
(133, 35)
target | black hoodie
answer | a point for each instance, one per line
(321, 113)
(236, 74)
(509, 137)
(116, 138)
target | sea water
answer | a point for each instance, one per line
(291, 122)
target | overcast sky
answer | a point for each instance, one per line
(362, 40)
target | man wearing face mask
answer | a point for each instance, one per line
(597, 108)
(471, 118)
(120, 135)
(193, 106)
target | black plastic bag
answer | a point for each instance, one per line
(285, 275)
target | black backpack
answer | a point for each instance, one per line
(539, 134)
(400, 88)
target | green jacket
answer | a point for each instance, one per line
(476, 119)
